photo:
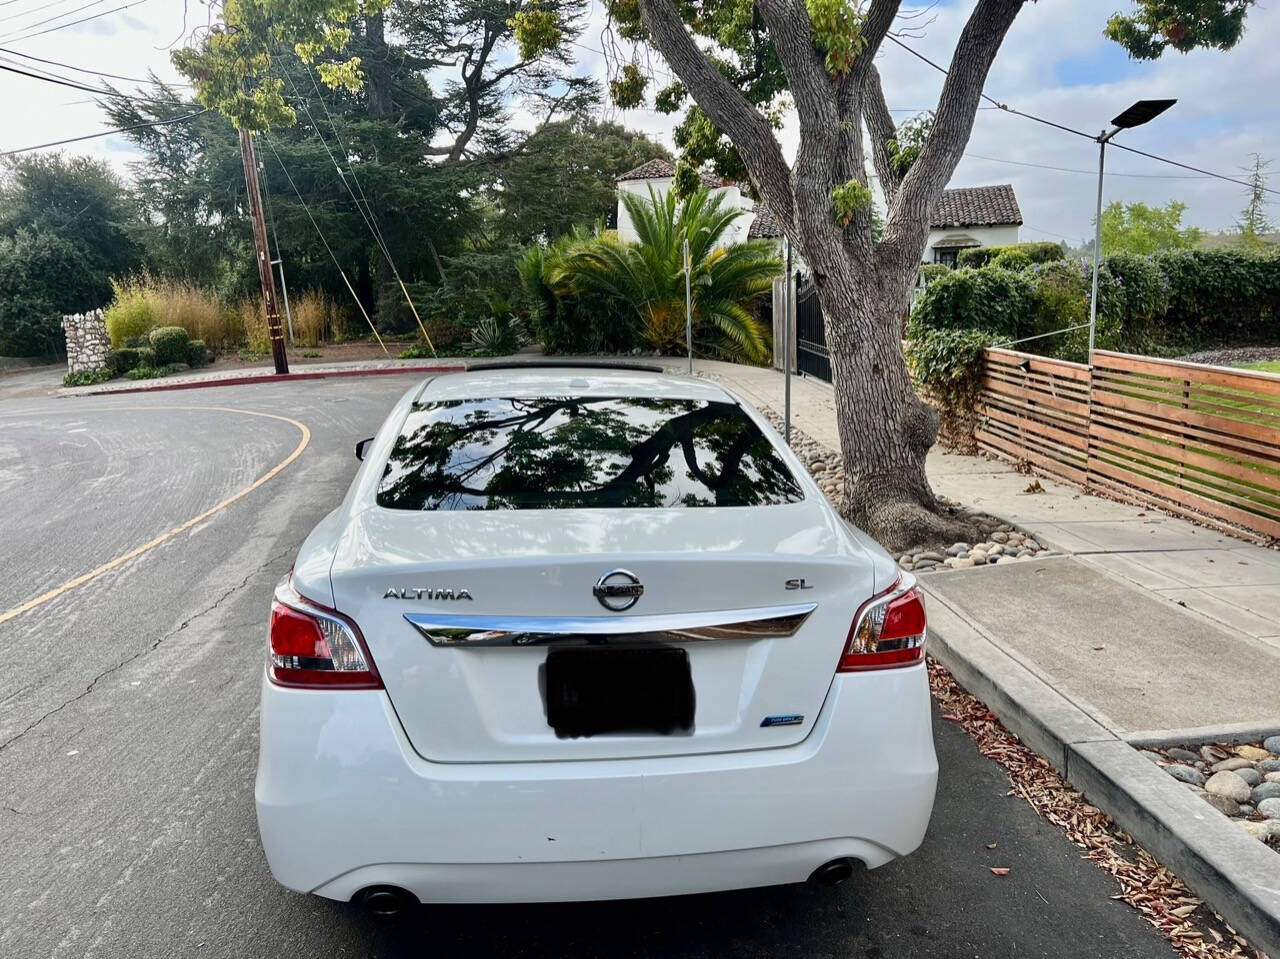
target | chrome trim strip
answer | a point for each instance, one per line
(474, 630)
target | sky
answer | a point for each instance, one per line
(1054, 63)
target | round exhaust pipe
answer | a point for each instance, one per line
(833, 873)
(386, 901)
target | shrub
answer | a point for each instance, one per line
(497, 336)
(1034, 252)
(947, 366)
(132, 312)
(147, 372)
(170, 344)
(88, 377)
(316, 320)
(570, 322)
(1012, 258)
(122, 360)
(419, 351)
(933, 271)
(1221, 297)
(146, 357)
(985, 299)
(197, 353)
(252, 317)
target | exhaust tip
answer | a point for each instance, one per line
(833, 873)
(386, 900)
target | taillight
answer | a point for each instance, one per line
(889, 631)
(314, 647)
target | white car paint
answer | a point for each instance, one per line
(450, 783)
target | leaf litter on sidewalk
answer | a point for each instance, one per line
(1155, 892)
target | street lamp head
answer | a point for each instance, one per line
(1141, 112)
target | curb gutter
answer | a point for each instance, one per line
(1235, 874)
(258, 376)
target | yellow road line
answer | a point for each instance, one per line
(180, 528)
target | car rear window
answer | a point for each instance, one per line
(574, 453)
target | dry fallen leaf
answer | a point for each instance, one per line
(1000, 870)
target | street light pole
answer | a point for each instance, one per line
(1141, 112)
(688, 305)
(787, 311)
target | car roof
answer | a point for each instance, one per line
(546, 380)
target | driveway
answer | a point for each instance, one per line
(128, 724)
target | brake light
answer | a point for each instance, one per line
(312, 647)
(889, 631)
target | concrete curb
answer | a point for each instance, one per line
(255, 376)
(1195, 735)
(1235, 874)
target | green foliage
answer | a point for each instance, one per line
(648, 277)
(123, 359)
(1183, 25)
(905, 147)
(418, 351)
(170, 344)
(670, 98)
(1138, 228)
(197, 354)
(88, 377)
(148, 372)
(627, 88)
(947, 366)
(537, 31)
(837, 30)
(132, 313)
(146, 356)
(1254, 223)
(976, 256)
(231, 64)
(40, 279)
(988, 298)
(497, 335)
(849, 199)
(934, 271)
(1221, 297)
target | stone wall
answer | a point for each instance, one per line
(87, 341)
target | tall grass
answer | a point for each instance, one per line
(316, 320)
(143, 302)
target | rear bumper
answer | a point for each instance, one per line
(344, 802)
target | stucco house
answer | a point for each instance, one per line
(972, 216)
(964, 217)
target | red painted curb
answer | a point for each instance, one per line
(275, 378)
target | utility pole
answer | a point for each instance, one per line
(265, 273)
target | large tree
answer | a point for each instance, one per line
(822, 55)
(1142, 229)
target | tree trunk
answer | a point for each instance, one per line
(885, 429)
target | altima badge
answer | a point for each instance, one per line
(618, 590)
(425, 592)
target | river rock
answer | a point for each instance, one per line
(1228, 784)
(1271, 744)
(959, 549)
(1231, 765)
(1269, 808)
(1185, 774)
(1254, 754)
(928, 556)
(1148, 754)
(1264, 791)
(1249, 775)
(1258, 830)
(1228, 807)
(1001, 537)
(1271, 777)
(1182, 755)
(963, 562)
(1268, 766)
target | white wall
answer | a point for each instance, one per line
(737, 233)
(985, 235)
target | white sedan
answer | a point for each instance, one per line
(585, 633)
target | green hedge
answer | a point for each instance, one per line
(1013, 256)
(985, 299)
(170, 344)
(197, 353)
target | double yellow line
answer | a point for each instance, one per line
(164, 537)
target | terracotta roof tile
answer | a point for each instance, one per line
(976, 206)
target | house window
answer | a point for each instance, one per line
(946, 255)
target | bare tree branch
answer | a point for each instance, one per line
(727, 108)
(875, 25)
(908, 220)
(883, 132)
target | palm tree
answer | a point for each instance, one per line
(649, 277)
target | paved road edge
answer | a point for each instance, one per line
(1235, 874)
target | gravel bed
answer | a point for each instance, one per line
(1241, 782)
(1230, 357)
(1001, 542)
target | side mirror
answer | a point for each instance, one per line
(362, 447)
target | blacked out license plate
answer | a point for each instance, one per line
(619, 690)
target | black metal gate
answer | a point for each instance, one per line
(811, 336)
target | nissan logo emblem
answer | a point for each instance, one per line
(618, 590)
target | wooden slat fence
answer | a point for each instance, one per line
(1202, 441)
(1036, 410)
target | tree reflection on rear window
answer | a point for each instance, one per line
(574, 453)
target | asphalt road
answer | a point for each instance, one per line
(128, 726)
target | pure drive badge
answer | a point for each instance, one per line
(783, 719)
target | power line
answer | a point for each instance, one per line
(12, 37)
(46, 6)
(1080, 133)
(100, 73)
(1063, 169)
(343, 273)
(104, 133)
(48, 77)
